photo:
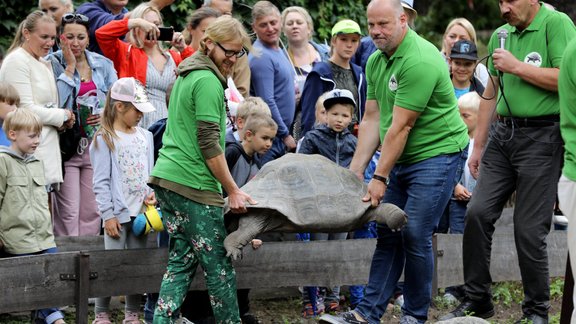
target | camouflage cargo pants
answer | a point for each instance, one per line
(196, 237)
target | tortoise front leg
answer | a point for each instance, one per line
(248, 227)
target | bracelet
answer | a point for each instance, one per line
(384, 180)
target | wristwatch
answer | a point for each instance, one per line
(385, 180)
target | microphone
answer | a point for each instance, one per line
(502, 35)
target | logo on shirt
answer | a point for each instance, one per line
(534, 59)
(393, 84)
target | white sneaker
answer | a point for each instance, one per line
(561, 220)
(399, 301)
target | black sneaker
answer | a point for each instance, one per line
(341, 318)
(532, 319)
(469, 307)
(249, 319)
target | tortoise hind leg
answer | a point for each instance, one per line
(386, 214)
(248, 227)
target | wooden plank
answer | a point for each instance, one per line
(275, 264)
(33, 282)
(89, 243)
(504, 261)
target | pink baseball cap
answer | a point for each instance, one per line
(131, 90)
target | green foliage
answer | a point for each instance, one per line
(556, 288)
(439, 14)
(507, 293)
(325, 13)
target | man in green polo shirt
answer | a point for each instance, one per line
(520, 151)
(567, 183)
(412, 110)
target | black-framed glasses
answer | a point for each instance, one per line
(71, 18)
(230, 53)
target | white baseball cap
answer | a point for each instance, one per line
(131, 90)
(341, 96)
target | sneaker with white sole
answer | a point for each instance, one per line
(131, 318)
(102, 318)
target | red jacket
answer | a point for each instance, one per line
(129, 60)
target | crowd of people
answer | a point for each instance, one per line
(107, 113)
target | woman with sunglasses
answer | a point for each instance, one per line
(142, 57)
(79, 73)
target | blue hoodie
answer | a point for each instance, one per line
(321, 80)
(99, 16)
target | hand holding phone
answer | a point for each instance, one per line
(166, 34)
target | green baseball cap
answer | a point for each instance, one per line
(346, 26)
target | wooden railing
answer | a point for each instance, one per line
(83, 269)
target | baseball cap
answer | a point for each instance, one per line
(464, 49)
(338, 96)
(131, 90)
(409, 4)
(346, 26)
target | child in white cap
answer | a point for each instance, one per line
(122, 156)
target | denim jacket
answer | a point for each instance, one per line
(103, 75)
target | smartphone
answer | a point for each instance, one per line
(166, 34)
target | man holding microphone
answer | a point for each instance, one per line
(517, 147)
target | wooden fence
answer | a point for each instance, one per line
(83, 269)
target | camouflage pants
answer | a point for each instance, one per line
(196, 237)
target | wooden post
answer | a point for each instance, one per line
(435, 274)
(567, 301)
(82, 287)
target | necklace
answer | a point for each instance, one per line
(310, 57)
(85, 71)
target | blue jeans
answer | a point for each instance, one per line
(423, 190)
(453, 217)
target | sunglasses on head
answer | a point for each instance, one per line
(71, 18)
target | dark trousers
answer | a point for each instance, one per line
(528, 160)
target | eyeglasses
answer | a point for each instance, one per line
(71, 18)
(230, 53)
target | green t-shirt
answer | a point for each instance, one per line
(198, 96)
(416, 78)
(567, 92)
(541, 44)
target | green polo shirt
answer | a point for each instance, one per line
(541, 44)
(197, 97)
(567, 93)
(415, 77)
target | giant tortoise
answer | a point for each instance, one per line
(306, 193)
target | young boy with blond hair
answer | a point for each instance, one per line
(250, 105)
(25, 221)
(243, 159)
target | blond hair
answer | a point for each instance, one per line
(139, 12)
(29, 24)
(252, 105)
(109, 115)
(464, 23)
(470, 100)
(9, 94)
(22, 119)
(226, 29)
(304, 13)
(257, 121)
